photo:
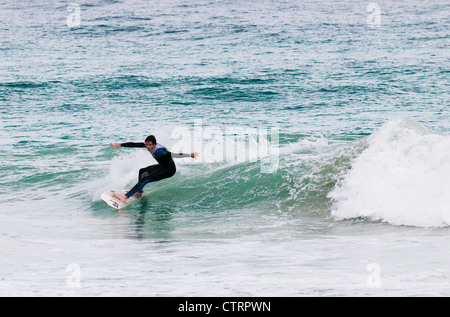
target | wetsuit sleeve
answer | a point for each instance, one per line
(178, 155)
(132, 144)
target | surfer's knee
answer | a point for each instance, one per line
(143, 175)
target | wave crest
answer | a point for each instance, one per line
(400, 178)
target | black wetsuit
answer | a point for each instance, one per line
(164, 169)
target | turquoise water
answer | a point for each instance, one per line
(357, 179)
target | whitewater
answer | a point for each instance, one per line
(323, 137)
(401, 178)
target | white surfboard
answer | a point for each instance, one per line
(114, 202)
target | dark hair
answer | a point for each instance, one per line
(151, 138)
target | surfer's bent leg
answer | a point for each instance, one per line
(138, 187)
(143, 179)
(150, 174)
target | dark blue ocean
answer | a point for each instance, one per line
(323, 133)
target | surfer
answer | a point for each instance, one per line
(164, 169)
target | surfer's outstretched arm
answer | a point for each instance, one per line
(140, 144)
(128, 144)
(180, 155)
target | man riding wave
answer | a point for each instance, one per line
(164, 169)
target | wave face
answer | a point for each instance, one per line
(305, 173)
(400, 178)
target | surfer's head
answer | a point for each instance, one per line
(150, 142)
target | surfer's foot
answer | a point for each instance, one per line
(121, 197)
(138, 195)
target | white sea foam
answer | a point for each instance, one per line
(123, 172)
(401, 178)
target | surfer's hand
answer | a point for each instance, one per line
(115, 145)
(194, 155)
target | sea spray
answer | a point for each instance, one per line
(401, 178)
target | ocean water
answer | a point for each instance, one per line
(322, 126)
